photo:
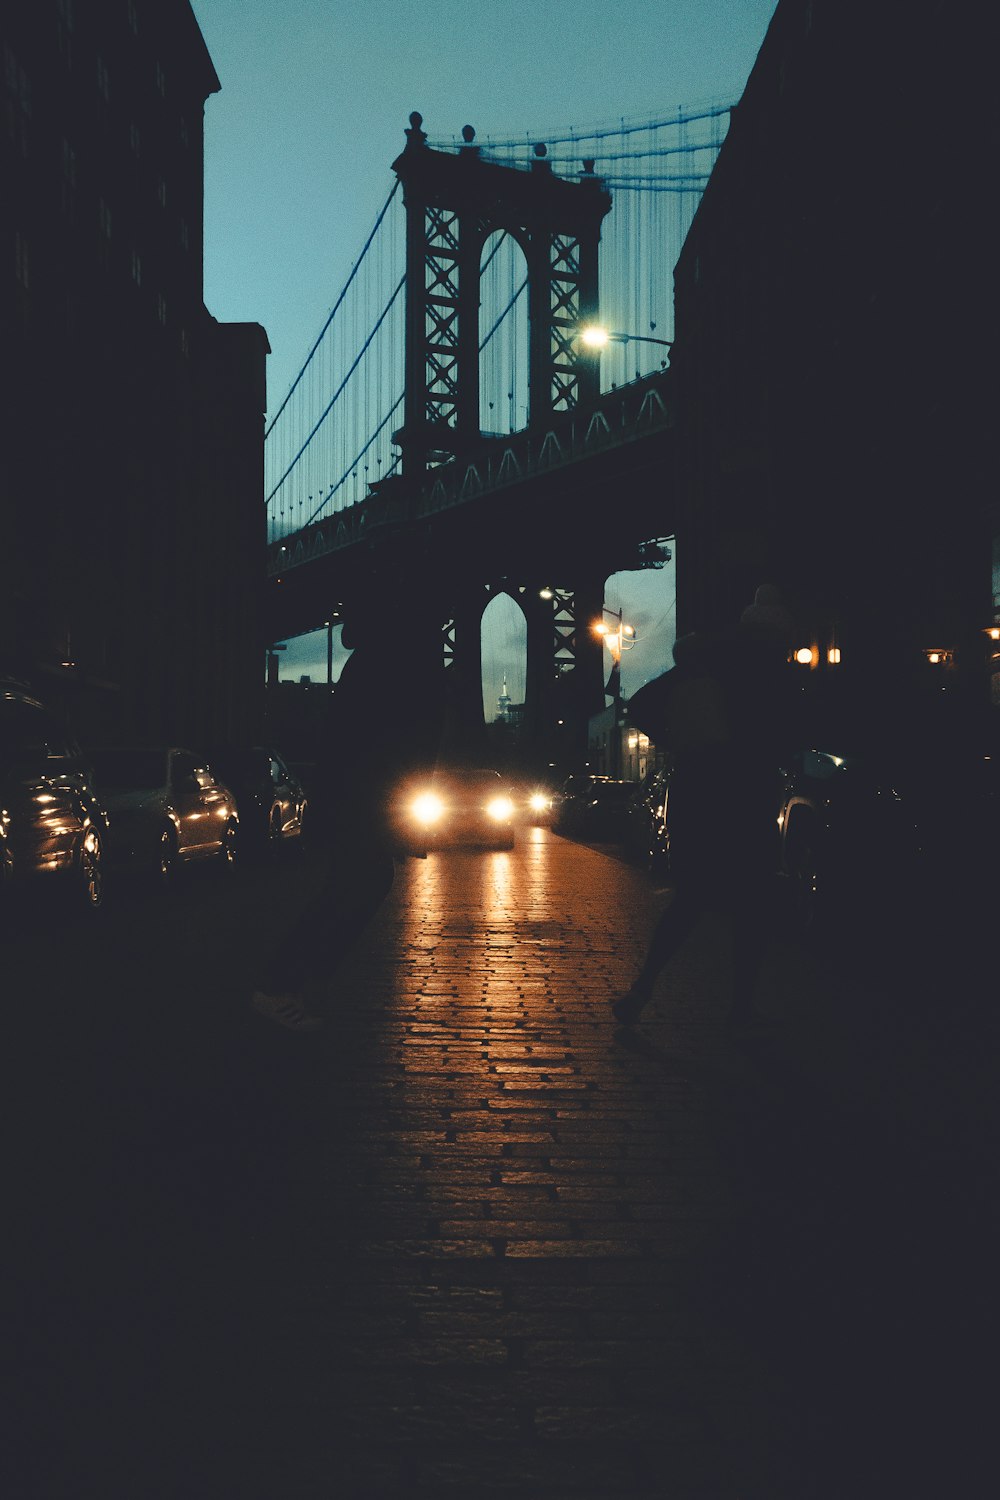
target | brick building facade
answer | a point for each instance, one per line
(132, 438)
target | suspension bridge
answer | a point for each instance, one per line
(454, 423)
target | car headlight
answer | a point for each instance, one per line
(500, 808)
(538, 802)
(428, 808)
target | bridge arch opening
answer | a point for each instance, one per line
(504, 639)
(503, 335)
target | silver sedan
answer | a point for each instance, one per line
(164, 807)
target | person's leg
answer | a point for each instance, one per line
(674, 927)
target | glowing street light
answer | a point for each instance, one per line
(596, 337)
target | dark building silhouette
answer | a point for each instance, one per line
(132, 433)
(832, 313)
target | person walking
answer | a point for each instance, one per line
(385, 723)
(725, 712)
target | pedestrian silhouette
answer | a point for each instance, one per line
(384, 725)
(725, 712)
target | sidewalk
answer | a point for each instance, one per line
(548, 1256)
(474, 1240)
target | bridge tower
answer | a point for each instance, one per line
(454, 202)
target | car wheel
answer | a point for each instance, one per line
(230, 845)
(658, 860)
(90, 871)
(166, 861)
(274, 832)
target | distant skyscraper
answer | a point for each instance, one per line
(504, 705)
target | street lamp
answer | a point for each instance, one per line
(596, 337)
(617, 641)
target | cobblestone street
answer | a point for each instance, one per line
(474, 1240)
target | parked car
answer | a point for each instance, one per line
(458, 806)
(165, 807)
(51, 821)
(891, 816)
(595, 807)
(272, 802)
(647, 831)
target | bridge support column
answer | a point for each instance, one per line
(565, 673)
(585, 683)
(541, 671)
(465, 729)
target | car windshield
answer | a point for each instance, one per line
(129, 770)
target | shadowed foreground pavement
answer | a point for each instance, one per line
(474, 1240)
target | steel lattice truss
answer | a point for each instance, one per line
(441, 302)
(564, 630)
(565, 317)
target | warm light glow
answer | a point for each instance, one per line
(545, 593)
(628, 630)
(833, 656)
(428, 808)
(599, 628)
(500, 808)
(595, 337)
(633, 741)
(934, 656)
(538, 802)
(994, 632)
(804, 655)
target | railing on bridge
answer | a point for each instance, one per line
(628, 415)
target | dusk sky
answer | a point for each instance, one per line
(299, 145)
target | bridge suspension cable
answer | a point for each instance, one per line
(341, 387)
(335, 309)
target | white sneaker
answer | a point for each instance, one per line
(286, 1010)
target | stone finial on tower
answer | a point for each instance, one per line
(588, 166)
(415, 136)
